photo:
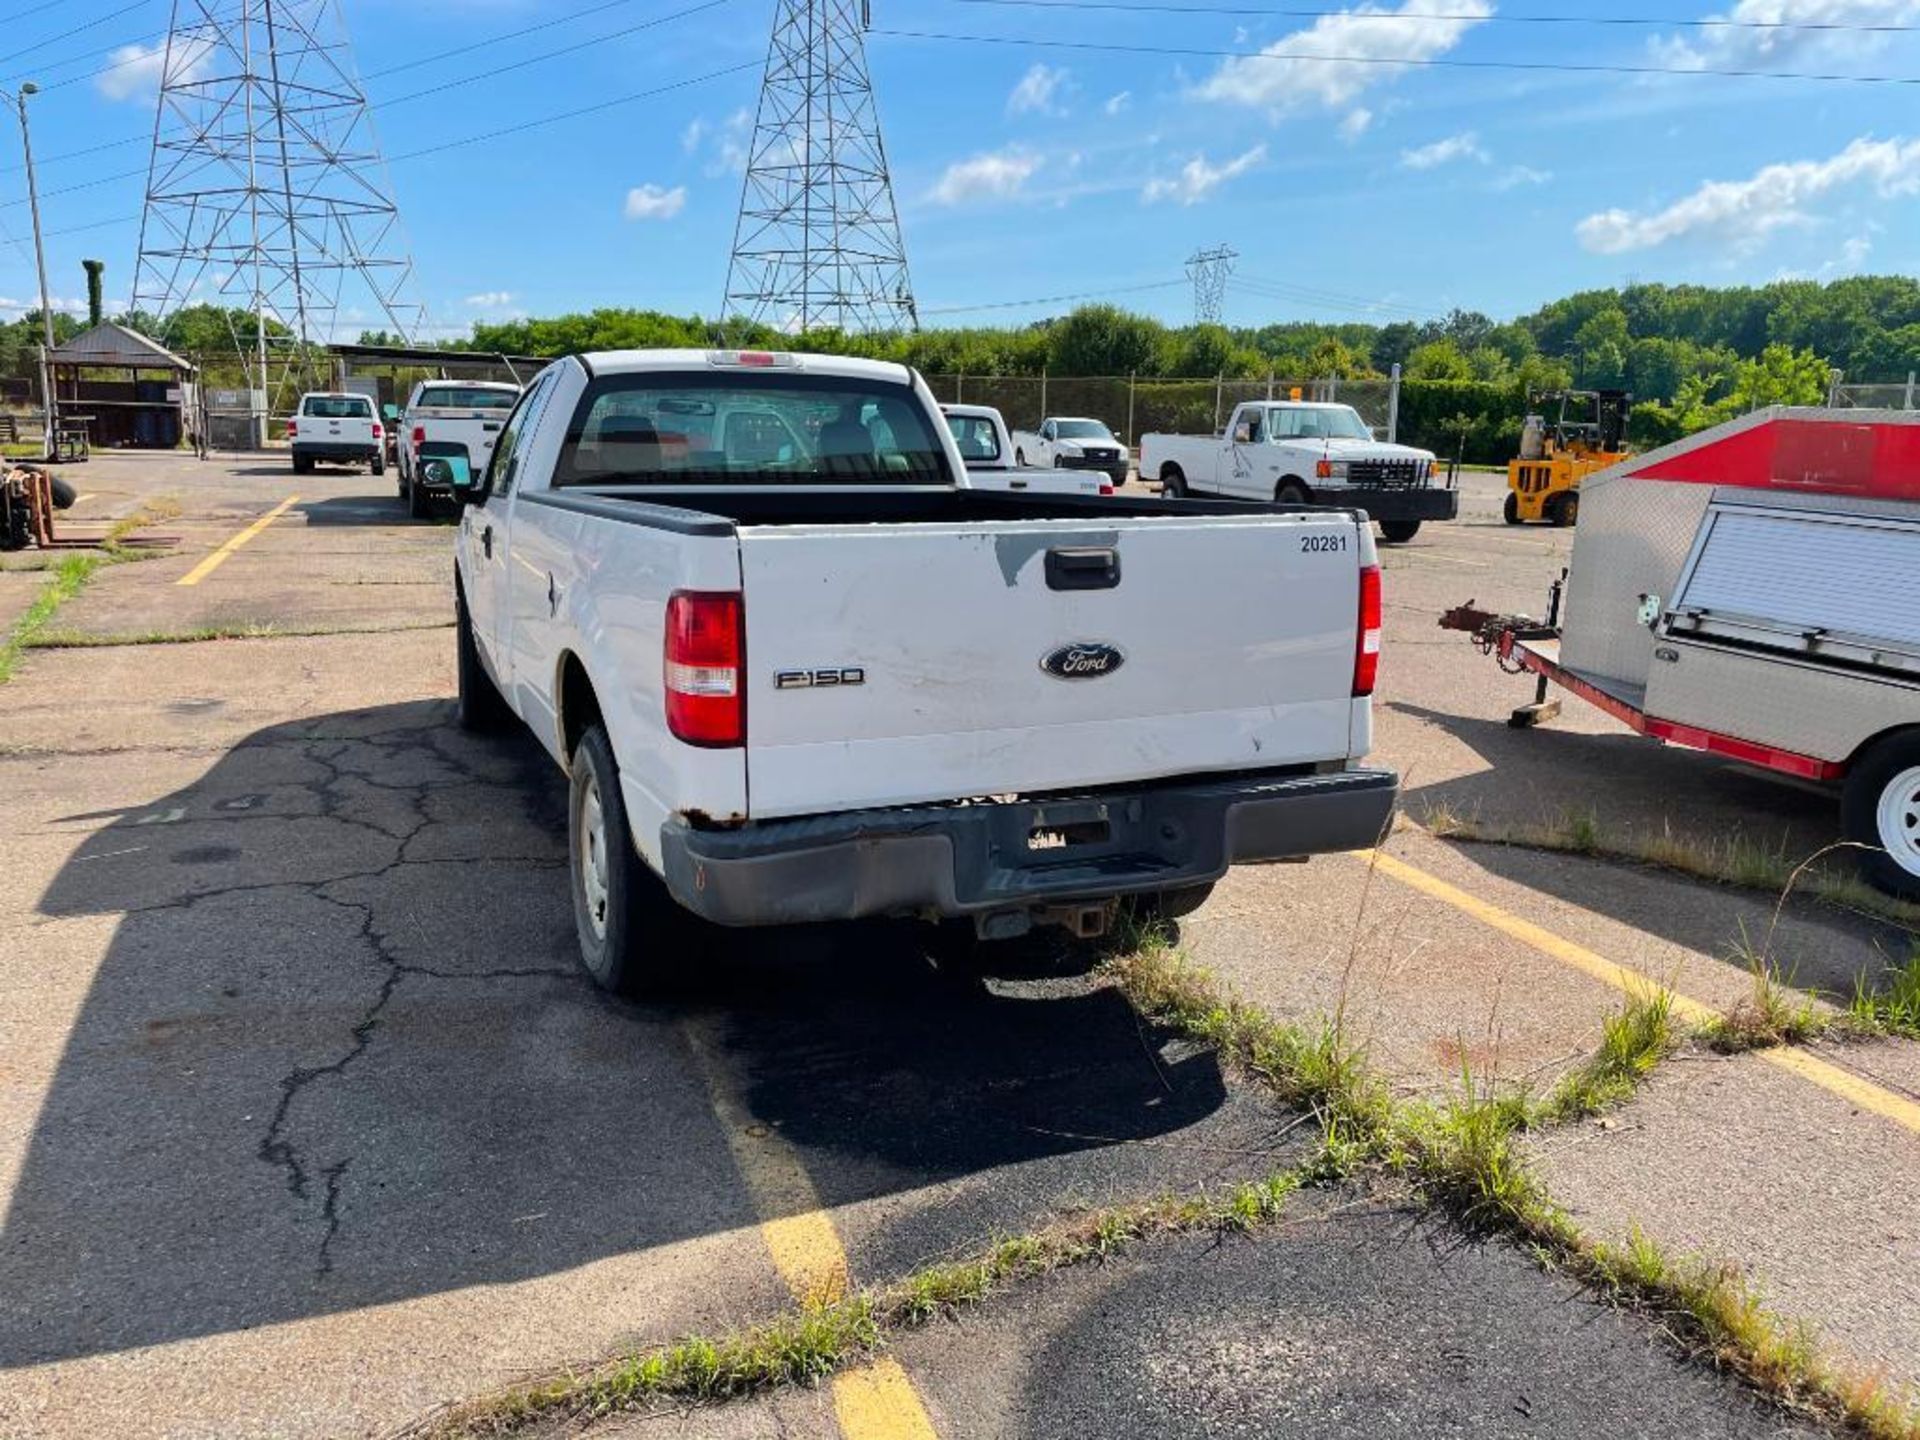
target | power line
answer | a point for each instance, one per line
(1053, 299)
(1441, 63)
(1715, 22)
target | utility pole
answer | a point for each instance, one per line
(1208, 270)
(40, 260)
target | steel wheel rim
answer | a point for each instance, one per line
(1898, 819)
(591, 857)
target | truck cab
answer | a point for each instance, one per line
(986, 446)
(448, 432)
(1073, 442)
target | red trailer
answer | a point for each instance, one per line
(1754, 591)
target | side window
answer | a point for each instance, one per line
(507, 455)
(1046, 431)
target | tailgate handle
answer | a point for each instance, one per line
(489, 425)
(1083, 567)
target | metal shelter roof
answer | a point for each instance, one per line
(111, 346)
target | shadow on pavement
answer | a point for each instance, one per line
(338, 1052)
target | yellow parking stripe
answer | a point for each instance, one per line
(806, 1248)
(880, 1403)
(1852, 1088)
(219, 557)
(877, 1401)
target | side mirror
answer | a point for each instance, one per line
(1243, 434)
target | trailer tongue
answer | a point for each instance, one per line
(1749, 592)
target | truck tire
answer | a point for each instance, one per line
(478, 700)
(1880, 809)
(1399, 532)
(63, 494)
(632, 933)
(378, 465)
(1510, 512)
(1292, 492)
(419, 503)
(303, 464)
(1172, 482)
(1564, 509)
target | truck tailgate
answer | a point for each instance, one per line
(895, 664)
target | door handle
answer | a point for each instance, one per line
(489, 425)
(486, 541)
(1083, 567)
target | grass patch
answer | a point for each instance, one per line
(1774, 1013)
(815, 1341)
(1894, 1007)
(55, 639)
(1734, 861)
(65, 580)
(1633, 1041)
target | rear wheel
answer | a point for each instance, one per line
(1564, 509)
(419, 503)
(303, 464)
(479, 702)
(1399, 532)
(1510, 512)
(1881, 810)
(1172, 482)
(1292, 492)
(378, 465)
(632, 933)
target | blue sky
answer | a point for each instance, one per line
(1351, 190)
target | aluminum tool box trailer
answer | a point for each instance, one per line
(1754, 591)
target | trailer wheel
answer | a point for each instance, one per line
(633, 935)
(1172, 482)
(1510, 512)
(1292, 492)
(1399, 532)
(1881, 810)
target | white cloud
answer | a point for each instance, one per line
(1355, 123)
(995, 175)
(1854, 252)
(1198, 178)
(691, 137)
(1365, 47)
(489, 299)
(1037, 90)
(653, 202)
(1116, 103)
(1771, 32)
(1747, 210)
(1514, 176)
(1464, 146)
(134, 72)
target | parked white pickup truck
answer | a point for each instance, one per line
(449, 426)
(338, 427)
(1298, 453)
(1070, 442)
(799, 670)
(987, 448)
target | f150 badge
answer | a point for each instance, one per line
(1083, 660)
(819, 679)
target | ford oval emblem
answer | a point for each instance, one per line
(1083, 660)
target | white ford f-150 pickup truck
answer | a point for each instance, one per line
(1299, 453)
(449, 426)
(798, 670)
(987, 448)
(1071, 442)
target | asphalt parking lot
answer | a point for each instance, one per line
(309, 1123)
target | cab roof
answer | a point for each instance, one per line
(631, 362)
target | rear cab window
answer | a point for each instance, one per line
(976, 436)
(466, 397)
(338, 407)
(665, 428)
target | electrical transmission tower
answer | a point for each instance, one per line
(265, 188)
(818, 243)
(1208, 270)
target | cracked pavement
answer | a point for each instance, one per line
(310, 1122)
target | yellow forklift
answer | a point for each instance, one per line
(1587, 434)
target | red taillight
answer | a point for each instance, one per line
(755, 358)
(1366, 651)
(1106, 489)
(419, 436)
(290, 429)
(377, 431)
(706, 658)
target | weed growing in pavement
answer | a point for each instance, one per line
(1633, 1041)
(1893, 1008)
(69, 575)
(202, 634)
(1734, 861)
(1774, 1014)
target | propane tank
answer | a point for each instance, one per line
(1533, 438)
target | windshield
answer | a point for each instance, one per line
(1081, 430)
(338, 407)
(1319, 422)
(662, 429)
(976, 436)
(467, 397)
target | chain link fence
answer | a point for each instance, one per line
(1132, 407)
(1872, 396)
